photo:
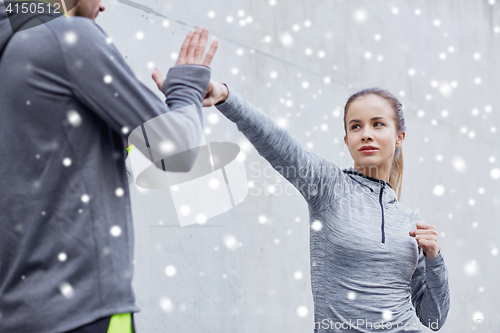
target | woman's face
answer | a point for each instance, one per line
(370, 122)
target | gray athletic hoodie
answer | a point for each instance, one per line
(367, 273)
(66, 238)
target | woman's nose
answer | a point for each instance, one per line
(367, 135)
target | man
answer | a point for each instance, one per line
(67, 103)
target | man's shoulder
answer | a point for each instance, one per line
(70, 30)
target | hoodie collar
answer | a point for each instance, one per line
(373, 184)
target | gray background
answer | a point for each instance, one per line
(254, 287)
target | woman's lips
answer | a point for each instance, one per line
(368, 151)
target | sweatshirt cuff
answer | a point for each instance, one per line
(435, 262)
(231, 105)
(196, 77)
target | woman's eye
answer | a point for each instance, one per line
(354, 126)
(379, 123)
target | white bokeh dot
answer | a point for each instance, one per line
(316, 225)
(230, 242)
(477, 317)
(459, 164)
(387, 315)
(67, 162)
(213, 118)
(438, 190)
(74, 118)
(139, 35)
(166, 304)
(108, 79)
(170, 270)
(119, 192)
(115, 231)
(167, 146)
(67, 290)
(360, 15)
(302, 311)
(266, 39)
(184, 210)
(470, 268)
(213, 184)
(286, 39)
(201, 218)
(85, 198)
(70, 37)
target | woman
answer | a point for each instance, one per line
(367, 270)
(365, 263)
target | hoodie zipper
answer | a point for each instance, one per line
(382, 184)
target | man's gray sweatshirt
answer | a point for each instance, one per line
(367, 273)
(66, 239)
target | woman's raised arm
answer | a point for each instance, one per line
(316, 178)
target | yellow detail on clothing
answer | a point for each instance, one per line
(121, 323)
(129, 149)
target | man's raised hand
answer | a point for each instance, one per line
(192, 52)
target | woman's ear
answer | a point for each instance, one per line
(345, 139)
(400, 138)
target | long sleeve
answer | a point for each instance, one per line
(101, 79)
(311, 174)
(430, 293)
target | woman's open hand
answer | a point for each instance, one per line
(426, 237)
(192, 51)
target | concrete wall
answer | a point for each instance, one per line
(299, 61)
